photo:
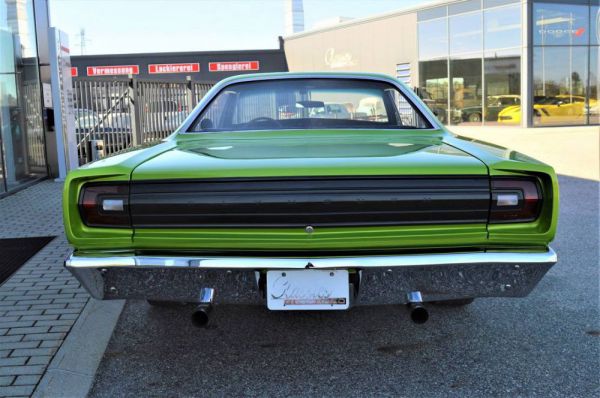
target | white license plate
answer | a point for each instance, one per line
(308, 290)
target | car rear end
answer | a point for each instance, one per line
(447, 236)
(312, 219)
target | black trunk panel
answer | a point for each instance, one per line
(299, 202)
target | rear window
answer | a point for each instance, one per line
(309, 104)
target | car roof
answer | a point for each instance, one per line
(308, 75)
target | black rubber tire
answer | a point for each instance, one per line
(454, 303)
(475, 118)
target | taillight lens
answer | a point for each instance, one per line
(515, 200)
(105, 205)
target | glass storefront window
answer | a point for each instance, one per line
(472, 74)
(496, 3)
(433, 87)
(451, 74)
(432, 13)
(466, 90)
(560, 24)
(433, 39)
(465, 33)
(593, 109)
(22, 153)
(502, 91)
(595, 25)
(560, 77)
(464, 7)
(502, 27)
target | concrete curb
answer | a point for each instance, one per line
(71, 372)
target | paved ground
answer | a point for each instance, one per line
(547, 344)
(40, 303)
(571, 150)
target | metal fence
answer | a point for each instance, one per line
(112, 115)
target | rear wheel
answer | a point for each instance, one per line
(454, 303)
(475, 117)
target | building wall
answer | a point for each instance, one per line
(375, 46)
(494, 62)
(22, 144)
(268, 61)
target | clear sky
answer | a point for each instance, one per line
(129, 26)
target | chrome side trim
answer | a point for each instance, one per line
(363, 262)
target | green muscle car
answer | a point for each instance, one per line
(261, 196)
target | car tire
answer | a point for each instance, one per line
(454, 303)
(475, 118)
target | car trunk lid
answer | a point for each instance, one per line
(309, 153)
(302, 190)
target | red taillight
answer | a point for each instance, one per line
(515, 200)
(105, 205)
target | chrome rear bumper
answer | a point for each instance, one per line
(381, 279)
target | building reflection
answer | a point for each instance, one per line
(21, 127)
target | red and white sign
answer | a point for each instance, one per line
(235, 66)
(74, 72)
(113, 70)
(173, 68)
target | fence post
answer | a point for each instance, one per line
(134, 112)
(189, 93)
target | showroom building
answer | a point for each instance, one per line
(24, 67)
(492, 62)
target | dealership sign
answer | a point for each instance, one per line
(173, 68)
(335, 59)
(235, 66)
(562, 32)
(113, 70)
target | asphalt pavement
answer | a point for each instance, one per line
(547, 344)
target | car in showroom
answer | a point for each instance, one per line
(439, 106)
(258, 199)
(494, 105)
(558, 109)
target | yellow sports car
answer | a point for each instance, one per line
(558, 109)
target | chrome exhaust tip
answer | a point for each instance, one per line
(418, 313)
(202, 313)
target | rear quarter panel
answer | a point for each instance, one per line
(116, 168)
(506, 162)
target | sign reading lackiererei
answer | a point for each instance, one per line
(173, 68)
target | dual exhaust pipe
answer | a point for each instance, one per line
(418, 312)
(202, 313)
